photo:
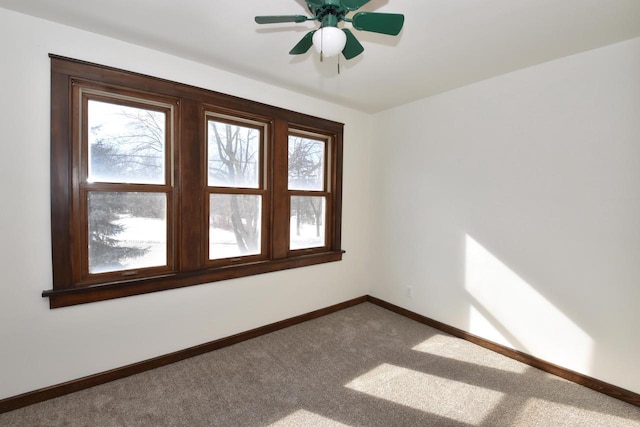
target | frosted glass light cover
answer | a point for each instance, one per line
(329, 40)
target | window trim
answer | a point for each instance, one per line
(189, 156)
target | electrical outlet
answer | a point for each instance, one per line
(409, 291)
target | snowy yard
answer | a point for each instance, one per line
(152, 234)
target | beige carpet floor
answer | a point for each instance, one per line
(363, 366)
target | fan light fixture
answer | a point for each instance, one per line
(329, 41)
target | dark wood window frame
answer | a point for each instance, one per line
(188, 259)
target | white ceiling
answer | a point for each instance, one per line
(444, 44)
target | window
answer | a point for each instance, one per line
(157, 185)
(307, 190)
(125, 192)
(236, 189)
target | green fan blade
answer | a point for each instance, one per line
(315, 3)
(354, 4)
(383, 23)
(303, 45)
(281, 18)
(353, 47)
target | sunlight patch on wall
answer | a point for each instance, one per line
(511, 312)
(463, 351)
(428, 393)
(480, 323)
(306, 418)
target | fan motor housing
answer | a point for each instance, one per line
(330, 13)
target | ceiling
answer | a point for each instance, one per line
(444, 43)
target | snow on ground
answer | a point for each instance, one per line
(151, 233)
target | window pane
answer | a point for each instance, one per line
(233, 155)
(307, 222)
(126, 144)
(127, 230)
(234, 225)
(306, 164)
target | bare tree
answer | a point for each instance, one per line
(306, 172)
(131, 147)
(306, 164)
(234, 162)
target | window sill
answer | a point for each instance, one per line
(107, 291)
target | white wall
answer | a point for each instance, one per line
(41, 347)
(512, 208)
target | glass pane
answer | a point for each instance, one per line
(234, 225)
(306, 164)
(126, 144)
(307, 222)
(233, 155)
(127, 230)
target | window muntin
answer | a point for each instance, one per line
(171, 191)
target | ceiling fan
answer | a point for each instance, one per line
(330, 40)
